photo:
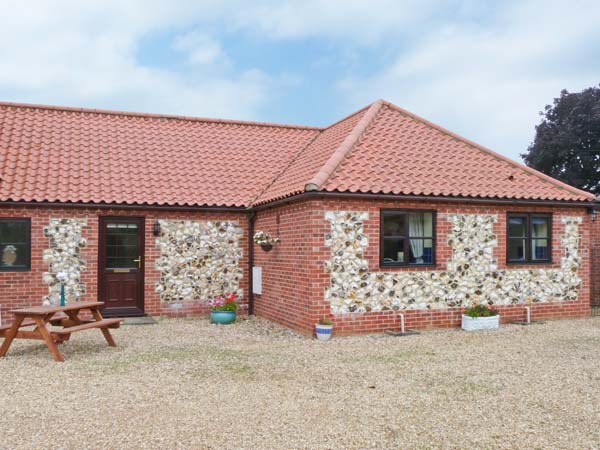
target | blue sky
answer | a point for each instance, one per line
(481, 69)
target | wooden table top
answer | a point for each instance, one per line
(43, 310)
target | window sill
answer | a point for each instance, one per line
(406, 266)
(528, 263)
(24, 269)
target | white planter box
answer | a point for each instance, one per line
(480, 323)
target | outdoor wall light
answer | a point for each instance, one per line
(156, 228)
(593, 214)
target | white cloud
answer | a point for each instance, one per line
(84, 54)
(481, 69)
(201, 48)
(488, 83)
(355, 21)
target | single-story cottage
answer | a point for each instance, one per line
(379, 214)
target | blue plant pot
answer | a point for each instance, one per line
(223, 317)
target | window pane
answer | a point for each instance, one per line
(14, 231)
(421, 251)
(420, 224)
(539, 249)
(517, 227)
(539, 227)
(393, 251)
(13, 256)
(516, 249)
(394, 224)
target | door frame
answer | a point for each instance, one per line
(122, 312)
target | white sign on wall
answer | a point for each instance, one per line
(257, 280)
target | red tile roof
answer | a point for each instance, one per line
(401, 153)
(70, 155)
(52, 154)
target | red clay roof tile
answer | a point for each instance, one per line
(55, 154)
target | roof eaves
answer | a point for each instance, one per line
(515, 164)
(318, 181)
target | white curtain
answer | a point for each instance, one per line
(416, 227)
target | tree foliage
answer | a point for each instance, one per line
(567, 141)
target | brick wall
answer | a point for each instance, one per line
(20, 289)
(595, 261)
(296, 265)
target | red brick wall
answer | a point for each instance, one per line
(297, 265)
(289, 269)
(595, 261)
(19, 289)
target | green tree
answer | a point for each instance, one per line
(567, 141)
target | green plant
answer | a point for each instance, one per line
(325, 322)
(480, 311)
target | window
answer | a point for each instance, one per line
(15, 244)
(407, 237)
(529, 238)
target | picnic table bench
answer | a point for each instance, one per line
(65, 317)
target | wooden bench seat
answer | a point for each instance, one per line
(104, 323)
(26, 323)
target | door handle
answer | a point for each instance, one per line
(139, 261)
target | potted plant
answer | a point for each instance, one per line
(223, 310)
(480, 317)
(324, 329)
(265, 240)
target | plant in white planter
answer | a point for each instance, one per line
(324, 329)
(480, 317)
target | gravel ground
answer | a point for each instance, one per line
(188, 384)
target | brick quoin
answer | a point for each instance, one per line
(294, 277)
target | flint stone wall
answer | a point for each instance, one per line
(64, 255)
(471, 277)
(199, 260)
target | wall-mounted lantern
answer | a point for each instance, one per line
(156, 228)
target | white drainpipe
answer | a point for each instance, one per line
(528, 310)
(402, 323)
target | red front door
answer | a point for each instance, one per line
(121, 266)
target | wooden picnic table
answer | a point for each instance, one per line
(66, 317)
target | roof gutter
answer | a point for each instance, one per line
(240, 209)
(438, 198)
(251, 220)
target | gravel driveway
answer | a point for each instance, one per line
(188, 384)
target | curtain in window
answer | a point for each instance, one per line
(416, 227)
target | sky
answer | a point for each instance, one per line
(481, 69)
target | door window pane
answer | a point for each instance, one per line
(122, 246)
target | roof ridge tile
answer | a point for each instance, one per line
(73, 109)
(319, 180)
